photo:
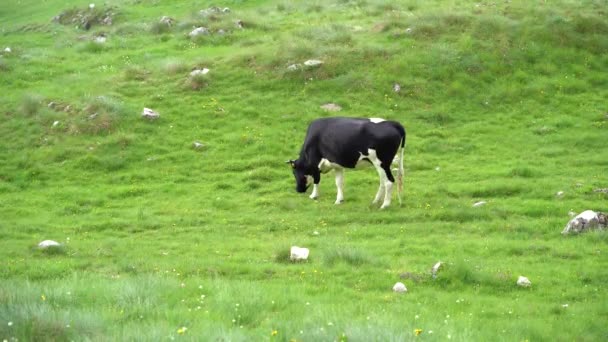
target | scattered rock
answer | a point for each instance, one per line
(199, 31)
(294, 67)
(312, 63)
(239, 24)
(91, 6)
(213, 10)
(48, 243)
(523, 281)
(150, 114)
(298, 253)
(100, 39)
(165, 20)
(399, 287)
(197, 145)
(331, 107)
(396, 87)
(409, 30)
(571, 213)
(436, 268)
(196, 72)
(604, 190)
(437, 168)
(55, 123)
(559, 194)
(315, 233)
(221, 32)
(8, 50)
(479, 204)
(86, 18)
(585, 221)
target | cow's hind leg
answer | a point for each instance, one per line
(340, 185)
(380, 193)
(386, 182)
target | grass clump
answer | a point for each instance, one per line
(31, 104)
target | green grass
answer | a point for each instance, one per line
(503, 102)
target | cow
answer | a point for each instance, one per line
(338, 143)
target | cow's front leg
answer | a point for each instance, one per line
(315, 187)
(387, 194)
(340, 185)
(315, 192)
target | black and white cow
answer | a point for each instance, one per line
(337, 143)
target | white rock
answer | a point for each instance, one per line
(437, 168)
(559, 194)
(397, 87)
(479, 204)
(408, 30)
(100, 39)
(196, 72)
(91, 6)
(55, 123)
(399, 287)
(331, 107)
(436, 268)
(294, 67)
(8, 49)
(197, 144)
(586, 220)
(298, 253)
(315, 233)
(199, 31)
(150, 114)
(165, 20)
(313, 63)
(523, 281)
(48, 243)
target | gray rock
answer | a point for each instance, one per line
(585, 221)
(523, 282)
(294, 67)
(150, 114)
(165, 20)
(48, 243)
(436, 268)
(298, 253)
(199, 31)
(313, 63)
(479, 204)
(399, 287)
(197, 72)
(331, 107)
(396, 87)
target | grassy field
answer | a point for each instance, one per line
(504, 102)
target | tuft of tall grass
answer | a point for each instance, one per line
(31, 104)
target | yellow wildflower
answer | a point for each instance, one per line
(274, 333)
(182, 330)
(417, 331)
(43, 297)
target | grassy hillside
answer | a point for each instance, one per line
(504, 102)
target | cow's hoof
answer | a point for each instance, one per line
(313, 197)
(339, 202)
(384, 206)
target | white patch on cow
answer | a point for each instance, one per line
(315, 191)
(376, 120)
(325, 166)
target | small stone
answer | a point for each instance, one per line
(294, 67)
(523, 281)
(221, 32)
(51, 105)
(436, 268)
(409, 30)
(331, 107)
(55, 123)
(197, 145)
(150, 114)
(437, 168)
(7, 49)
(199, 31)
(101, 39)
(91, 6)
(479, 204)
(604, 190)
(239, 24)
(48, 243)
(399, 287)
(165, 20)
(315, 233)
(559, 194)
(396, 87)
(197, 72)
(298, 253)
(313, 63)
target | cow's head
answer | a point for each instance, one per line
(299, 171)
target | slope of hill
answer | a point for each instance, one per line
(504, 102)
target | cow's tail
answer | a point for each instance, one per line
(401, 171)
